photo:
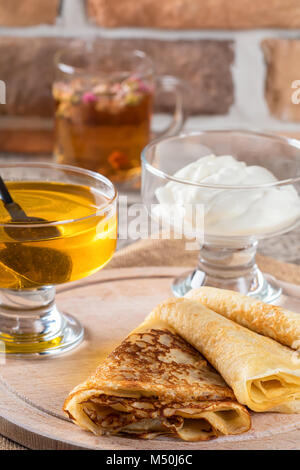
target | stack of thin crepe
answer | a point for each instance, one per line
(157, 381)
(264, 374)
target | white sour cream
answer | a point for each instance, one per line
(231, 212)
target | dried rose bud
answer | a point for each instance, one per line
(132, 84)
(116, 88)
(75, 99)
(100, 89)
(118, 160)
(143, 87)
(132, 98)
(89, 97)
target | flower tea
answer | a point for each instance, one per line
(84, 243)
(103, 125)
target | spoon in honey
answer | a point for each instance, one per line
(19, 216)
(22, 259)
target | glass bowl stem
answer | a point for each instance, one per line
(31, 324)
(228, 267)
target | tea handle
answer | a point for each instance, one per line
(176, 87)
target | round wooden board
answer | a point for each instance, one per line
(109, 304)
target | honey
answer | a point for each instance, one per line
(85, 240)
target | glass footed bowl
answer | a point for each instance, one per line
(71, 235)
(226, 218)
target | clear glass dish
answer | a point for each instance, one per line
(76, 237)
(235, 216)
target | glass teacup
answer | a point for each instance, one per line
(103, 107)
(77, 239)
(237, 211)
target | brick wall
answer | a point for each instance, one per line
(239, 57)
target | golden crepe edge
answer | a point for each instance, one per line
(269, 320)
(190, 408)
(262, 373)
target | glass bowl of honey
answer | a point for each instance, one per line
(77, 238)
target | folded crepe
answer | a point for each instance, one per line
(269, 320)
(263, 374)
(155, 383)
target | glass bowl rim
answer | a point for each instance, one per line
(66, 68)
(74, 169)
(156, 171)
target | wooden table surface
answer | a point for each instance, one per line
(33, 399)
(284, 248)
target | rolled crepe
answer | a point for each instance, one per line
(263, 374)
(155, 383)
(269, 320)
